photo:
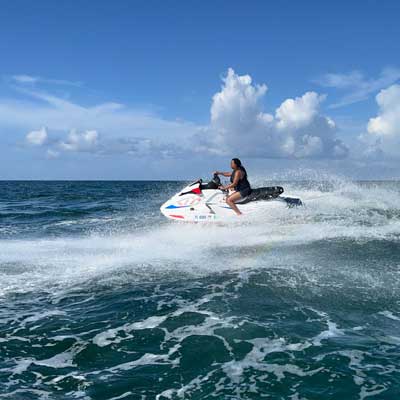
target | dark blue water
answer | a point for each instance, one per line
(102, 298)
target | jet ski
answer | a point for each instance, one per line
(205, 202)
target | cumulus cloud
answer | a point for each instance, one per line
(297, 129)
(90, 141)
(383, 131)
(357, 85)
(238, 125)
(37, 138)
(74, 141)
(83, 142)
(297, 113)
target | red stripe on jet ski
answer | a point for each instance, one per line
(196, 190)
(176, 216)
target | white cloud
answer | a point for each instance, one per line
(24, 79)
(52, 153)
(359, 87)
(32, 80)
(299, 112)
(118, 126)
(82, 142)
(342, 81)
(240, 126)
(37, 138)
(90, 141)
(383, 135)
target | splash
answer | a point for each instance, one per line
(334, 210)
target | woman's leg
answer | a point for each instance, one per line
(230, 200)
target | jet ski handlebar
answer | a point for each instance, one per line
(214, 183)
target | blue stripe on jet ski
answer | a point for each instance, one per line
(173, 206)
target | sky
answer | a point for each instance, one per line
(175, 89)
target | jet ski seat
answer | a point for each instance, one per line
(263, 193)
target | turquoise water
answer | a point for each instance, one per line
(103, 298)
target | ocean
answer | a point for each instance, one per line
(103, 298)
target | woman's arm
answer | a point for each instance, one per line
(236, 179)
(227, 174)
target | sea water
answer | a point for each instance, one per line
(101, 297)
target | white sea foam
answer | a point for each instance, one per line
(61, 360)
(390, 315)
(331, 332)
(105, 338)
(346, 211)
(41, 315)
(122, 396)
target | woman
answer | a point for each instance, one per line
(239, 184)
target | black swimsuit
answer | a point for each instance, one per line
(243, 186)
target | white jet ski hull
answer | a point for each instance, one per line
(196, 204)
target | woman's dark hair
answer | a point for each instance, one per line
(237, 162)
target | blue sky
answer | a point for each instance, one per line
(168, 89)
